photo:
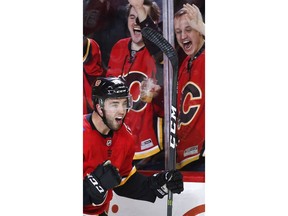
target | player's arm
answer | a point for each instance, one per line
(195, 18)
(153, 50)
(146, 188)
(144, 20)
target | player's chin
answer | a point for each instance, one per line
(188, 52)
(137, 39)
(117, 125)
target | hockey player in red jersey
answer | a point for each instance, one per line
(92, 68)
(132, 59)
(189, 30)
(108, 148)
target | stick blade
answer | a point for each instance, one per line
(158, 39)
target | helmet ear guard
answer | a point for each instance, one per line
(101, 102)
(129, 102)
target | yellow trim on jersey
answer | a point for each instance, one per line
(90, 215)
(155, 149)
(160, 132)
(147, 153)
(187, 161)
(124, 180)
(87, 50)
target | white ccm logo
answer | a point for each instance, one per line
(95, 183)
(173, 127)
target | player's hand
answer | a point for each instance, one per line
(103, 178)
(107, 174)
(194, 17)
(172, 180)
(136, 3)
(175, 184)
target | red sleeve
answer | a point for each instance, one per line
(93, 63)
(118, 57)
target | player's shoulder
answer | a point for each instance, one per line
(202, 55)
(86, 123)
(94, 43)
(122, 42)
(200, 60)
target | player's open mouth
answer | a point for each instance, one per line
(137, 30)
(187, 45)
(119, 119)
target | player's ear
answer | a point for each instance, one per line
(99, 110)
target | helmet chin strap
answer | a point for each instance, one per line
(103, 117)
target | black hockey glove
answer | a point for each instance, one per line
(104, 177)
(172, 180)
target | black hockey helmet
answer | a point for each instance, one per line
(110, 87)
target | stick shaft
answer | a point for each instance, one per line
(172, 56)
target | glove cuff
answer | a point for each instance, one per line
(99, 202)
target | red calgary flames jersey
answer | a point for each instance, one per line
(191, 110)
(97, 148)
(143, 118)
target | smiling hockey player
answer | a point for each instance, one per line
(108, 150)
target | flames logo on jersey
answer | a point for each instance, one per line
(191, 96)
(134, 79)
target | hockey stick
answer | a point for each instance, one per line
(157, 39)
